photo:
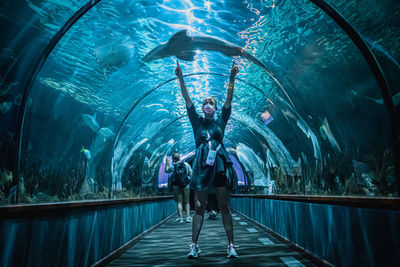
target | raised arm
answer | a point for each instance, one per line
(231, 86)
(184, 90)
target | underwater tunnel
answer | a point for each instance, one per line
(91, 111)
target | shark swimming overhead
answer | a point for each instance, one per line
(184, 47)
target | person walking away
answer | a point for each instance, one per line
(179, 183)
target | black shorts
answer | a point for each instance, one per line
(220, 180)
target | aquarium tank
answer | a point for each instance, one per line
(87, 112)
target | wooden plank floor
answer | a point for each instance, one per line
(168, 245)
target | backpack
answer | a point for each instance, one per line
(180, 176)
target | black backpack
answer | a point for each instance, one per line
(180, 176)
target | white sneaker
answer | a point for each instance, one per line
(194, 251)
(231, 251)
(213, 215)
(179, 220)
(189, 219)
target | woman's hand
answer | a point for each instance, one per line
(234, 71)
(178, 70)
(184, 90)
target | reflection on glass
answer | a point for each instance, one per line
(314, 124)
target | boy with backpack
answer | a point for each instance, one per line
(179, 184)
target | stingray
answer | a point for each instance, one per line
(113, 52)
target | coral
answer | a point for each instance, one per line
(50, 183)
(382, 172)
(5, 177)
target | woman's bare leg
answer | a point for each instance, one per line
(200, 200)
(223, 203)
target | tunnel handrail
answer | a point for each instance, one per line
(379, 203)
(61, 208)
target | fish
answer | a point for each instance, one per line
(91, 122)
(87, 153)
(395, 98)
(381, 49)
(106, 132)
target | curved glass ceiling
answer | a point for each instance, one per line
(308, 127)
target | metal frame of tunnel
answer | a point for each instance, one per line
(170, 80)
(325, 7)
(159, 132)
(183, 116)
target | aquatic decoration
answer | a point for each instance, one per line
(364, 176)
(267, 117)
(6, 176)
(13, 193)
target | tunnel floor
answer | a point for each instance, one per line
(168, 245)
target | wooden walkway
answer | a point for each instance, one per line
(168, 245)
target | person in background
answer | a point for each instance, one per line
(179, 181)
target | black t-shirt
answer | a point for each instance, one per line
(205, 175)
(200, 125)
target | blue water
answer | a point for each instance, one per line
(301, 129)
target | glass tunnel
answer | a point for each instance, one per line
(91, 113)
